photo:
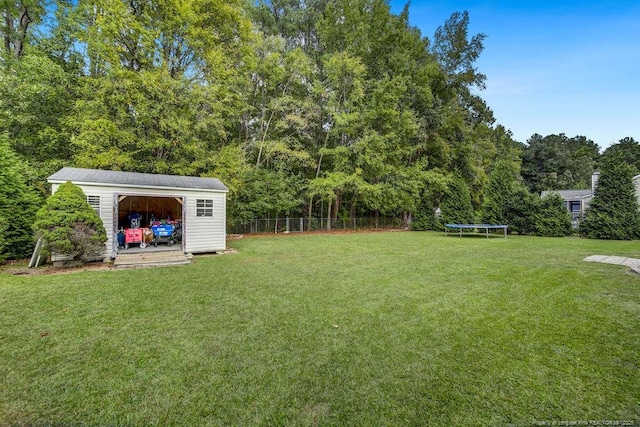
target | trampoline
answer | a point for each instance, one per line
(475, 229)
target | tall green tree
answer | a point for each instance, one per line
(627, 150)
(18, 20)
(381, 108)
(557, 162)
(294, 20)
(36, 89)
(36, 96)
(18, 205)
(461, 124)
(613, 211)
(344, 100)
(163, 90)
(281, 125)
(267, 194)
(456, 53)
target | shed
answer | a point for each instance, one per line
(196, 204)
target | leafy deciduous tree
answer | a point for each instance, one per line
(17, 19)
(36, 95)
(556, 162)
(164, 83)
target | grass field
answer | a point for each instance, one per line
(369, 329)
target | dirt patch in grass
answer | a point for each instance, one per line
(20, 268)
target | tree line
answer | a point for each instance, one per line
(302, 108)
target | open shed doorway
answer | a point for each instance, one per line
(144, 212)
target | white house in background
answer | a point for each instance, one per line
(577, 201)
(197, 204)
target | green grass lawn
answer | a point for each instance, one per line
(370, 329)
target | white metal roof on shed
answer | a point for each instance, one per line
(135, 179)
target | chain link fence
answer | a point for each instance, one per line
(299, 225)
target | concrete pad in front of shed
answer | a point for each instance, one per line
(151, 259)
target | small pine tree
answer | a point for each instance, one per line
(18, 205)
(424, 218)
(436, 185)
(500, 190)
(508, 202)
(456, 204)
(613, 212)
(554, 219)
(522, 211)
(70, 226)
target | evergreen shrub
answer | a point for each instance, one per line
(521, 211)
(554, 220)
(456, 204)
(613, 212)
(70, 226)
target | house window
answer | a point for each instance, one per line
(574, 206)
(204, 208)
(94, 202)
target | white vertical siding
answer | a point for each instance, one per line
(205, 234)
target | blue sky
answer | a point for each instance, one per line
(553, 67)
